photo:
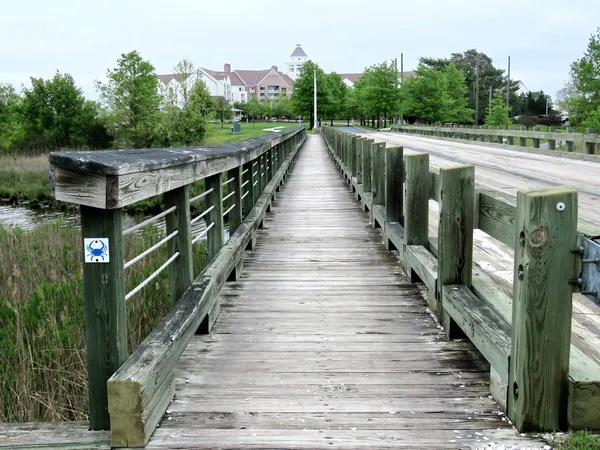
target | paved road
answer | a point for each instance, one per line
(509, 171)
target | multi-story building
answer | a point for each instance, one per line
(241, 85)
(295, 62)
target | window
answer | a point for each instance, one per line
(241, 89)
(291, 69)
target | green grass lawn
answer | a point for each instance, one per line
(218, 136)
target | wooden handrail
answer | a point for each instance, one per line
(544, 264)
(103, 183)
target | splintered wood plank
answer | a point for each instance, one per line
(323, 342)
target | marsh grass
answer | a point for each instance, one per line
(575, 440)
(42, 327)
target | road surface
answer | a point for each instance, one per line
(508, 170)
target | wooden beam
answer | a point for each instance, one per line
(455, 233)
(394, 184)
(542, 308)
(181, 271)
(104, 305)
(416, 215)
(214, 238)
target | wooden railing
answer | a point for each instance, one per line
(129, 393)
(583, 143)
(539, 378)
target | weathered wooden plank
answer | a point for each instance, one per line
(455, 231)
(416, 215)
(104, 304)
(497, 216)
(181, 271)
(423, 263)
(215, 236)
(394, 184)
(52, 435)
(542, 308)
(141, 389)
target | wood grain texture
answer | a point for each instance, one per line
(314, 348)
(104, 305)
(542, 309)
(52, 435)
(394, 184)
(417, 199)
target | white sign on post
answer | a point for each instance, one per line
(96, 250)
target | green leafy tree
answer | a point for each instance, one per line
(187, 107)
(581, 96)
(221, 109)
(378, 93)
(423, 96)
(55, 114)
(9, 115)
(592, 120)
(302, 96)
(132, 100)
(498, 112)
(470, 63)
(337, 92)
(455, 98)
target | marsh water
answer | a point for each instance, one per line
(29, 218)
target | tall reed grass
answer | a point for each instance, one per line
(42, 327)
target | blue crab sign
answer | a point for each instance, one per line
(96, 250)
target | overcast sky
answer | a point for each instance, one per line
(84, 38)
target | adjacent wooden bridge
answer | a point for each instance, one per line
(305, 330)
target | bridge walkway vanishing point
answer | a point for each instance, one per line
(324, 343)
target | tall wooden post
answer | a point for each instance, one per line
(248, 202)
(416, 215)
(394, 184)
(378, 173)
(235, 216)
(104, 305)
(546, 225)
(455, 234)
(367, 150)
(181, 271)
(214, 239)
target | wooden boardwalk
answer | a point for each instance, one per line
(325, 344)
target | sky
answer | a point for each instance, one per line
(85, 38)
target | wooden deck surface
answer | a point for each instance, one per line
(325, 344)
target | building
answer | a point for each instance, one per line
(295, 62)
(350, 79)
(238, 85)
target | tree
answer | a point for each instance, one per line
(9, 120)
(221, 109)
(132, 99)
(455, 99)
(187, 107)
(592, 120)
(582, 93)
(378, 93)
(336, 91)
(498, 112)
(423, 96)
(55, 114)
(303, 94)
(470, 63)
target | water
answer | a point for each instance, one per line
(29, 218)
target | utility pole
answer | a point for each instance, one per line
(477, 91)
(315, 100)
(508, 84)
(547, 102)
(490, 110)
(401, 82)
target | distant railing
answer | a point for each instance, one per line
(240, 182)
(586, 143)
(526, 338)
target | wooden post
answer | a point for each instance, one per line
(523, 142)
(546, 223)
(256, 191)
(416, 215)
(181, 271)
(455, 234)
(235, 216)
(378, 173)
(358, 159)
(214, 239)
(104, 305)
(248, 201)
(394, 184)
(352, 156)
(367, 149)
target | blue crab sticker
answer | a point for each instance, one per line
(96, 250)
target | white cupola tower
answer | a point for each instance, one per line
(295, 62)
